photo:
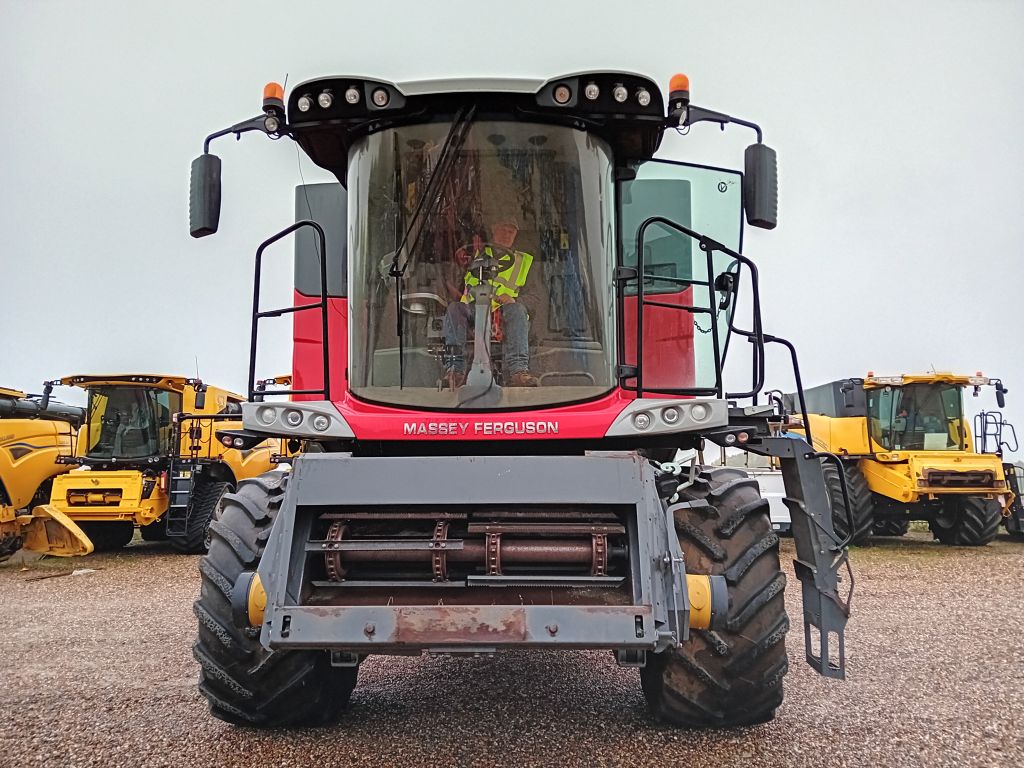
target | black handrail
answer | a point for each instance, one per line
(641, 302)
(827, 456)
(257, 315)
(756, 336)
(769, 339)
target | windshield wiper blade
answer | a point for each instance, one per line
(452, 142)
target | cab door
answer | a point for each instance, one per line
(684, 322)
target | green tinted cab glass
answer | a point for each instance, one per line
(707, 201)
(130, 422)
(917, 417)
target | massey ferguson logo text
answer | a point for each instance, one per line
(460, 428)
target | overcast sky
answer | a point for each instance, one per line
(898, 128)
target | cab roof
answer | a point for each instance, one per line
(153, 380)
(447, 84)
(439, 85)
(934, 377)
(633, 126)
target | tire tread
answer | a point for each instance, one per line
(244, 683)
(730, 676)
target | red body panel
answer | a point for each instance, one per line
(582, 420)
(668, 363)
(668, 341)
(307, 346)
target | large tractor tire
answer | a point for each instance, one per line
(244, 683)
(860, 500)
(966, 521)
(892, 526)
(203, 509)
(732, 676)
(106, 537)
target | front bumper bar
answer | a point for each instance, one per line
(658, 615)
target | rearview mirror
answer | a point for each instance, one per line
(1000, 397)
(200, 399)
(761, 186)
(204, 196)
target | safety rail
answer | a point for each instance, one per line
(845, 490)
(769, 339)
(626, 275)
(990, 426)
(257, 315)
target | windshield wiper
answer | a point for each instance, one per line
(445, 161)
(452, 142)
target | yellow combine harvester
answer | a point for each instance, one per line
(32, 436)
(907, 454)
(149, 456)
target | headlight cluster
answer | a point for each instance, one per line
(338, 98)
(305, 419)
(324, 99)
(649, 416)
(894, 381)
(602, 93)
(671, 415)
(268, 415)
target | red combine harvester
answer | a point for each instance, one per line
(508, 318)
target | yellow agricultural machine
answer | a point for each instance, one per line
(32, 437)
(148, 455)
(907, 454)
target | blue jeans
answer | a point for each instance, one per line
(515, 326)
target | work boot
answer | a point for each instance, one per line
(523, 379)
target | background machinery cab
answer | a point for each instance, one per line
(148, 456)
(907, 454)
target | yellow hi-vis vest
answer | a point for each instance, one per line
(505, 283)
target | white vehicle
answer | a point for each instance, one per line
(768, 478)
(774, 491)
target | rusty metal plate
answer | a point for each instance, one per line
(454, 625)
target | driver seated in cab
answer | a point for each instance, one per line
(509, 315)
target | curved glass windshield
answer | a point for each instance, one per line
(917, 417)
(130, 422)
(481, 264)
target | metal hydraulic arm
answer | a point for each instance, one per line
(820, 554)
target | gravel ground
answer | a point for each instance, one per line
(97, 670)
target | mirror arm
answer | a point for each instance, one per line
(252, 124)
(700, 115)
(44, 402)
